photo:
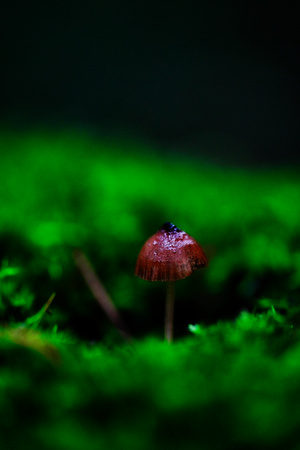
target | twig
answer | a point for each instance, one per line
(100, 293)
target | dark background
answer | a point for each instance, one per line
(219, 79)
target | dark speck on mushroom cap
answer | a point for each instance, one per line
(169, 227)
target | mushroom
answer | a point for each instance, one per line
(169, 255)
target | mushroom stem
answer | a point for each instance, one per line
(169, 310)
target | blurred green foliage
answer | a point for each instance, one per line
(63, 190)
(233, 385)
(231, 382)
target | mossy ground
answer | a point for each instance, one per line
(231, 377)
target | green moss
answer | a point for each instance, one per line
(231, 378)
(224, 387)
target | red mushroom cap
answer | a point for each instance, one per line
(169, 255)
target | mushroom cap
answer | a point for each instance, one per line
(169, 255)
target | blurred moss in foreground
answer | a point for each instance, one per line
(231, 385)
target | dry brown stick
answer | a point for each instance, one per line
(100, 293)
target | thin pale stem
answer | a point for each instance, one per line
(169, 310)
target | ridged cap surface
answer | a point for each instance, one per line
(169, 255)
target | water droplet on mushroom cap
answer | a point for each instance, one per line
(169, 255)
